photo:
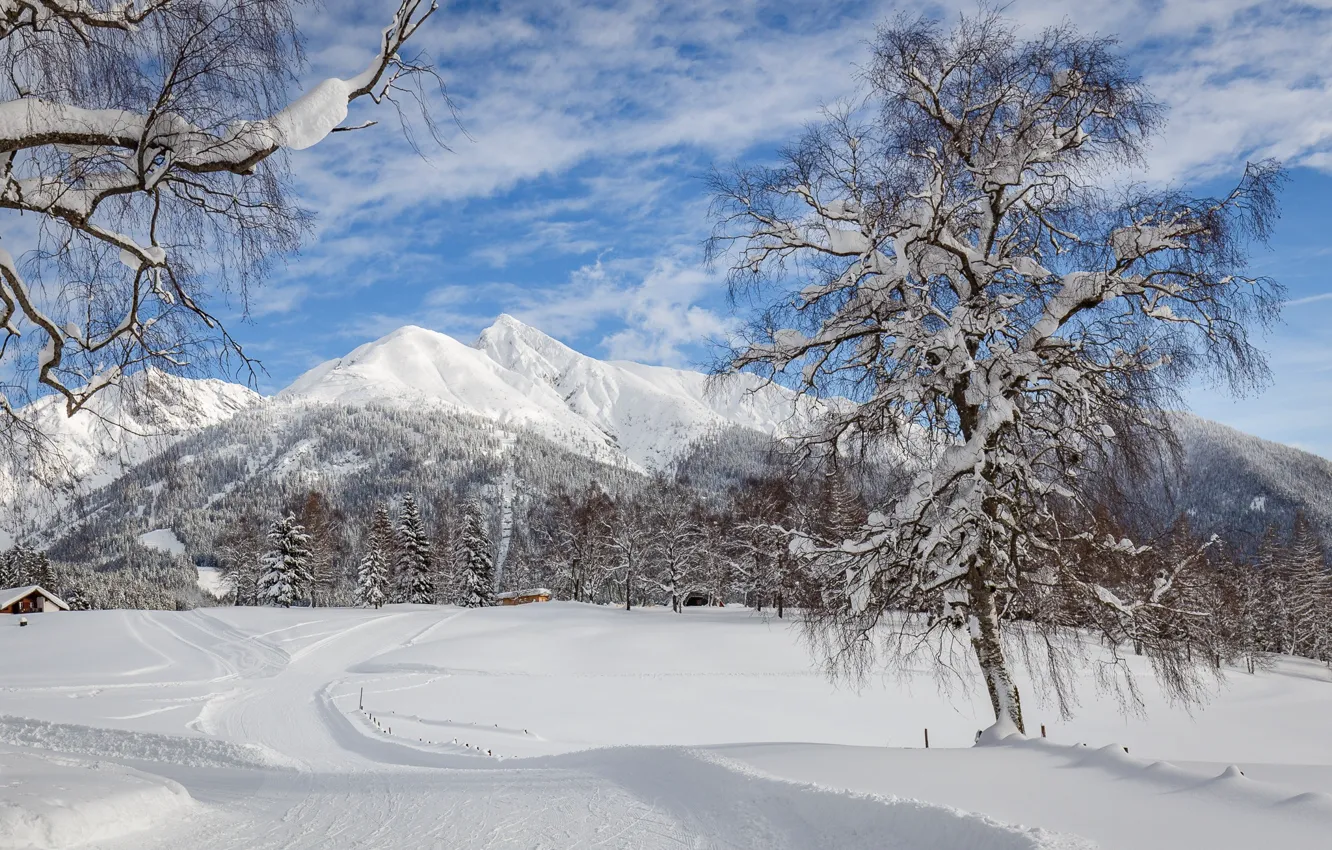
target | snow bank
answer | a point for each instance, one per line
(140, 746)
(51, 801)
(737, 806)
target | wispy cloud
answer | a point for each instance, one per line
(590, 124)
(1308, 299)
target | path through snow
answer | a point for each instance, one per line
(255, 713)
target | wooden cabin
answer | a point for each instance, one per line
(30, 600)
(522, 597)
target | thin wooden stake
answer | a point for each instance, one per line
(927, 739)
(360, 702)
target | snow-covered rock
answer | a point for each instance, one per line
(651, 412)
(415, 367)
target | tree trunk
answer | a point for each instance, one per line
(987, 643)
(628, 586)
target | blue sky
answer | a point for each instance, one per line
(575, 199)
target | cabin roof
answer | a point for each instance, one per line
(10, 595)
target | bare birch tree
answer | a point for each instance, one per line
(962, 255)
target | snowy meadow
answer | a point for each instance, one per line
(568, 725)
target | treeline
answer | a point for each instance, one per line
(155, 581)
(306, 557)
(662, 543)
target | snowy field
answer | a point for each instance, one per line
(563, 726)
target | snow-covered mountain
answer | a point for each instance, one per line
(1236, 484)
(627, 413)
(420, 411)
(120, 427)
(514, 384)
(651, 413)
(416, 368)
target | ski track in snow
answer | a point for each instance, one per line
(285, 759)
(353, 789)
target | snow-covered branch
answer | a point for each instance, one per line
(151, 140)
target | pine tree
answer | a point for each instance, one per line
(477, 569)
(286, 577)
(10, 568)
(415, 567)
(839, 514)
(372, 576)
(77, 600)
(42, 572)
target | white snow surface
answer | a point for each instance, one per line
(639, 416)
(559, 725)
(52, 801)
(163, 540)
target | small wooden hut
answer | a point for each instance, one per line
(522, 597)
(32, 599)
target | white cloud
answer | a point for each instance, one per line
(589, 125)
(1310, 299)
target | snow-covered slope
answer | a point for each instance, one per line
(652, 412)
(640, 416)
(124, 425)
(415, 367)
(1237, 485)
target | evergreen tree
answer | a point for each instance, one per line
(41, 571)
(477, 569)
(10, 568)
(286, 577)
(838, 512)
(415, 568)
(77, 600)
(372, 576)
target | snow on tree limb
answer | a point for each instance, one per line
(131, 132)
(947, 257)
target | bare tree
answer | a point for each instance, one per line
(764, 511)
(627, 536)
(960, 255)
(142, 146)
(324, 526)
(240, 550)
(576, 543)
(675, 539)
